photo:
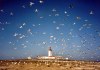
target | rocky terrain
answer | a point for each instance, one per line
(48, 65)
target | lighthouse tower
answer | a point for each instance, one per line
(49, 52)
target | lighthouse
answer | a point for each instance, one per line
(50, 56)
(49, 52)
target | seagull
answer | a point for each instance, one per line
(40, 1)
(31, 3)
(11, 14)
(36, 10)
(91, 12)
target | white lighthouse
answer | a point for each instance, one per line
(50, 55)
(49, 52)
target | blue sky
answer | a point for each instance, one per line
(70, 27)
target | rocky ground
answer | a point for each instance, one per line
(48, 65)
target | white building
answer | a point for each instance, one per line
(29, 58)
(49, 52)
(50, 55)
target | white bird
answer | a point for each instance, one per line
(40, 1)
(31, 3)
(36, 10)
(91, 12)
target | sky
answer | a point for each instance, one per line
(70, 27)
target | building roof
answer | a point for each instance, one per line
(50, 49)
